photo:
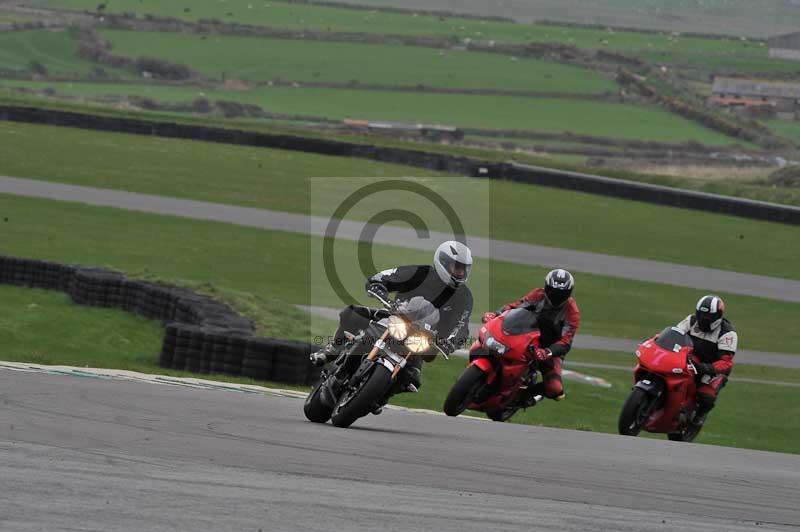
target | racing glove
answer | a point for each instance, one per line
(540, 354)
(449, 344)
(488, 316)
(377, 290)
(706, 369)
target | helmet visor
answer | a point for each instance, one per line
(706, 321)
(557, 296)
(458, 271)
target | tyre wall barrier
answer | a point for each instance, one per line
(202, 335)
(591, 184)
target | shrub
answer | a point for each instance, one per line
(788, 176)
(37, 68)
(163, 69)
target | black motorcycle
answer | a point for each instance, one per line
(349, 389)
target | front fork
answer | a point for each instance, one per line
(655, 389)
(380, 344)
(371, 359)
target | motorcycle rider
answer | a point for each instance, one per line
(443, 284)
(558, 318)
(715, 342)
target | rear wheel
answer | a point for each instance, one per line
(635, 412)
(463, 391)
(314, 409)
(359, 403)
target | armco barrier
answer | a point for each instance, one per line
(202, 335)
(588, 183)
(619, 188)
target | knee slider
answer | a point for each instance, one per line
(554, 390)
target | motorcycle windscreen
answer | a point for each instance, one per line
(420, 312)
(519, 321)
(673, 339)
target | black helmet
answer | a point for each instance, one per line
(708, 313)
(558, 286)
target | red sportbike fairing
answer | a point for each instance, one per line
(663, 398)
(501, 366)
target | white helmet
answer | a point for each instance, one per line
(453, 262)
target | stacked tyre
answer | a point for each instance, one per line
(168, 345)
(257, 362)
(214, 349)
(290, 362)
(234, 354)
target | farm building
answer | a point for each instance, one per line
(756, 95)
(785, 46)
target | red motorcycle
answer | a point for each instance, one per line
(663, 398)
(502, 367)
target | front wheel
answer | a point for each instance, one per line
(314, 409)
(463, 391)
(359, 402)
(635, 412)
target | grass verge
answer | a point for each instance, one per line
(46, 327)
(277, 265)
(771, 425)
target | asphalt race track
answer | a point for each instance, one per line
(90, 454)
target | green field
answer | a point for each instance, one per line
(276, 179)
(707, 64)
(759, 18)
(786, 128)
(281, 14)
(276, 265)
(106, 338)
(10, 17)
(692, 54)
(548, 115)
(260, 59)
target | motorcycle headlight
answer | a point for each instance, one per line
(417, 343)
(494, 345)
(398, 328)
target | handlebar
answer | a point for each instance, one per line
(388, 304)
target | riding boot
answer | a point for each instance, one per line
(527, 398)
(325, 355)
(701, 412)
